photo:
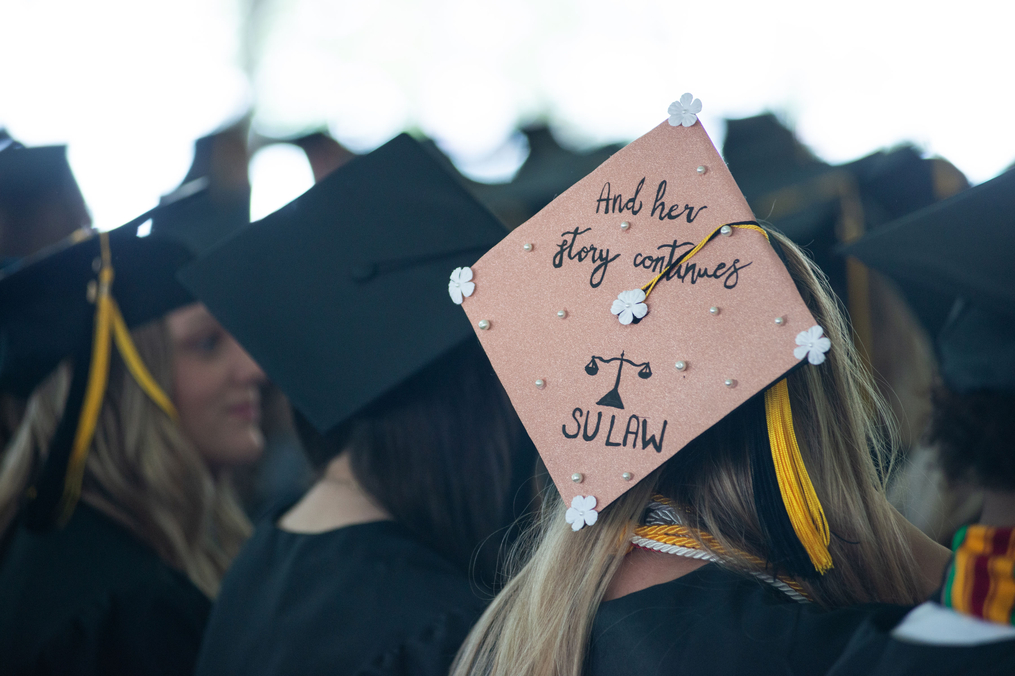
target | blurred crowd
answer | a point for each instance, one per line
(291, 403)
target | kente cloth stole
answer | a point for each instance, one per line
(981, 578)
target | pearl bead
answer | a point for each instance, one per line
(92, 291)
(527, 246)
(96, 264)
(681, 365)
(729, 382)
(625, 225)
(562, 313)
(702, 169)
(540, 384)
(713, 310)
(577, 477)
(780, 320)
(483, 324)
(626, 476)
(725, 231)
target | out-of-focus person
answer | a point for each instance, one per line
(40, 204)
(958, 253)
(342, 296)
(116, 511)
(720, 509)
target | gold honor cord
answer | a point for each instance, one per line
(680, 535)
(108, 324)
(798, 496)
(802, 504)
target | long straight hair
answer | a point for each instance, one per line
(444, 454)
(141, 469)
(541, 621)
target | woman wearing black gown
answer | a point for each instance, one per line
(719, 511)
(384, 564)
(115, 536)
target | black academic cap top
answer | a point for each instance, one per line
(29, 170)
(343, 294)
(976, 349)
(960, 247)
(953, 261)
(198, 218)
(47, 300)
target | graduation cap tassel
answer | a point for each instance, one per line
(109, 326)
(802, 505)
(98, 375)
(743, 225)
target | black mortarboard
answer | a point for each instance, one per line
(214, 199)
(198, 217)
(960, 247)
(822, 207)
(77, 299)
(953, 261)
(29, 170)
(343, 293)
(47, 301)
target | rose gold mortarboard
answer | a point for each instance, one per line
(609, 383)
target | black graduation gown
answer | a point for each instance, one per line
(93, 599)
(874, 651)
(363, 599)
(713, 621)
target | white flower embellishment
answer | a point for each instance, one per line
(629, 304)
(582, 512)
(461, 285)
(812, 344)
(685, 111)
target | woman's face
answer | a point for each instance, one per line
(215, 389)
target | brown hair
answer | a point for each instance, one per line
(443, 453)
(975, 437)
(541, 621)
(141, 469)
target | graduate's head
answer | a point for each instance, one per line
(661, 346)
(442, 453)
(973, 425)
(129, 406)
(342, 297)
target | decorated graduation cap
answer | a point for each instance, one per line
(637, 310)
(340, 295)
(79, 299)
(954, 259)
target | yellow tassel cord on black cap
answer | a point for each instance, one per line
(108, 324)
(802, 504)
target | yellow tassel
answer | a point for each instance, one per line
(802, 504)
(109, 324)
(98, 375)
(137, 367)
(683, 259)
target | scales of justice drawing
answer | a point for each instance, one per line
(612, 398)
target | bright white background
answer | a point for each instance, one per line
(129, 84)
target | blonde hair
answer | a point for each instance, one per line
(141, 470)
(541, 621)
